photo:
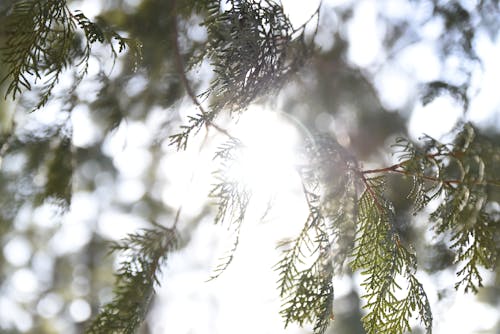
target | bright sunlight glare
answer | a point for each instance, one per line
(266, 163)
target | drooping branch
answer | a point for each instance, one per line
(40, 45)
(253, 49)
(144, 254)
(456, 172)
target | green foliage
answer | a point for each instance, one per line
(253, 48)
(458, 171)
(59, 174)
(306, 273)
(42, 42)
(143, 256)
(381, 257)
(47, 156)
(310, 261)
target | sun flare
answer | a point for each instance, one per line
(267, 162)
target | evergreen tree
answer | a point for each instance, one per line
(358, 221)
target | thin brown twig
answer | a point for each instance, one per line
(190, 93)
(182, 74)
(180, 65)
(179, 210)
(395, 169)
(372, 193)
(385, 169)
(401, 164)
(177, 216)
(303, 25)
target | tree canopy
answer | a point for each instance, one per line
(174, 79)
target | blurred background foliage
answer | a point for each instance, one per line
(61, 178)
